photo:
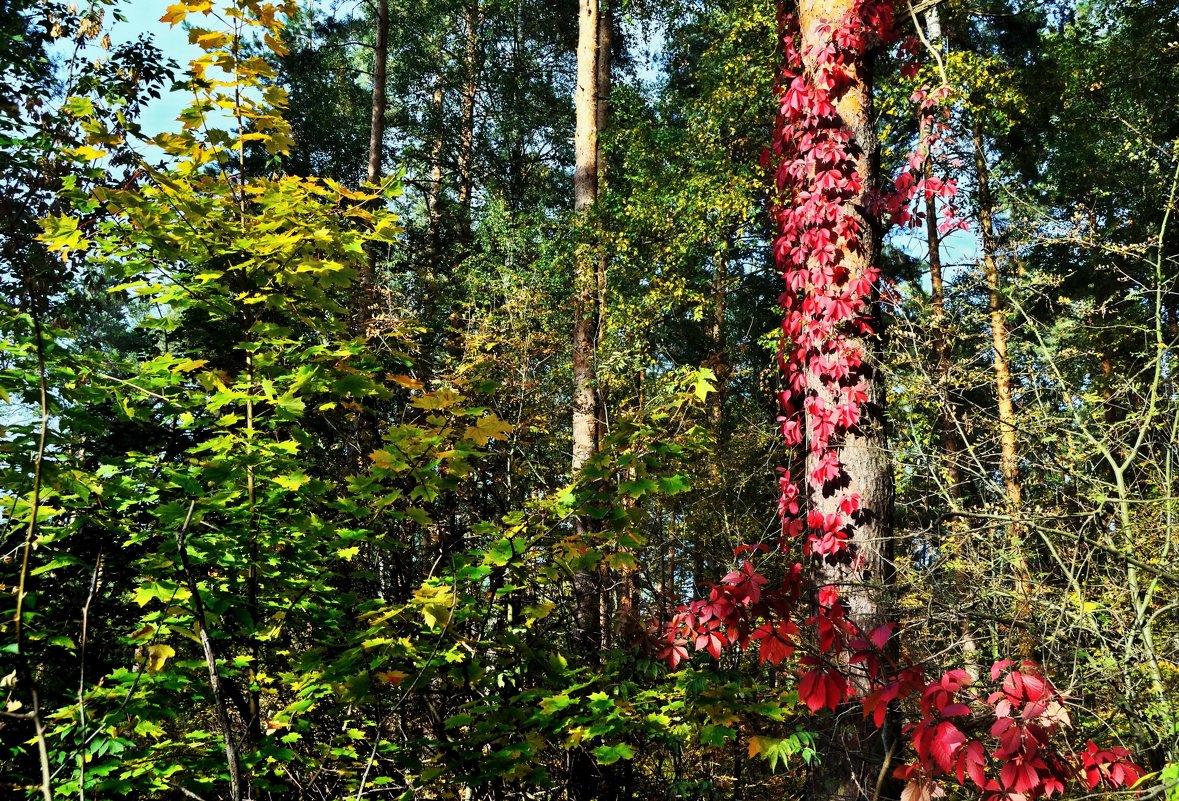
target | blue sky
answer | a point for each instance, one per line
(143, 16)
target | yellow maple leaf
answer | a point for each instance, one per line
(487, 428)
(157, 655)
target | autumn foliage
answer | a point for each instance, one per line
(1003, 738)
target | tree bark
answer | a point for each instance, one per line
(588, 781)
(376, 141)
(855, 756)
(1008, 432)
(467, 134)
(376, 146)
(718, 358)
(586, 297)
(434, 187)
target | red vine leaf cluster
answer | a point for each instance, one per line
(1006, 740)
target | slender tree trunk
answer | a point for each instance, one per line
(1008, 433)
(467, 134)
(376, 139)
(941, 351)
(376, 146)
(588, 781)
(216, 687)
(606, 606)
(855, 754)
(586, 309)
(432, 276)
(434, 187)
(718, 358)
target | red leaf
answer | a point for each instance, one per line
(775, 642)
(880, 635)
(972, 760)
(946, 743)
(822, 689)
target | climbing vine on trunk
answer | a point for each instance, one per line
(1004, 737)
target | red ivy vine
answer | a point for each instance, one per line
(1005, 735)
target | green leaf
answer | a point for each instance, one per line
(609, 754)
(672, 485)
(703, 383)
(165, 591)
(638, 488)
(716, 736)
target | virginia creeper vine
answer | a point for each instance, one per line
(1004, 735)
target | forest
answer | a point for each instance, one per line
(589, 400)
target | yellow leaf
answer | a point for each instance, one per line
(208, 40)
(88, 153)
(487, 428)
(175, 14)
(435, 603)
(439, 399)
(384, 460)
(157, 655)
(189, 365)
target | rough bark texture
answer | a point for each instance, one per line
(1004, 400)
(586, 299)
(855, 753)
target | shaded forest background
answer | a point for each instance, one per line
(291, 501)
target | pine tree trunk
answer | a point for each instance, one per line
(586, 303)
(467, 134)
(855, 757)
(941, 352)
(1008, 432)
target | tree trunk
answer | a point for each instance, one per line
(376, 147)
(855, 756)
(376, 141)
(586, 309)
(467, 134)
(1008, 433)
(434, 187)
(718, 358)
(588, 781)
(941, 352)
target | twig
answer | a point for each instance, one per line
(82, 672)
(30, 535)
(198, 606)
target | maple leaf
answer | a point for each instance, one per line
(486, 428)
